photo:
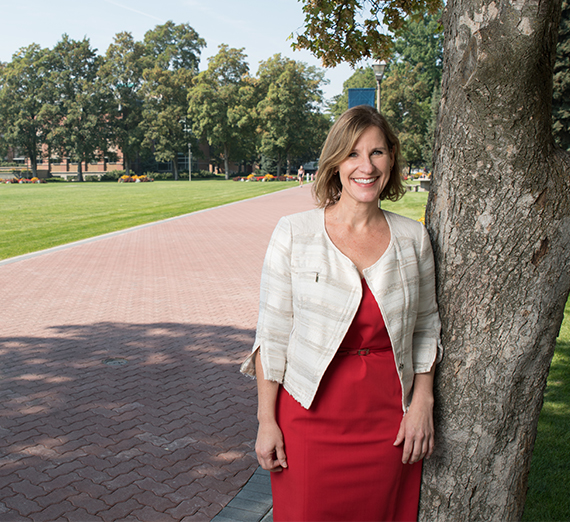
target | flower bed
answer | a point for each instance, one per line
(266, 177)
(135, 179)
(23, 180)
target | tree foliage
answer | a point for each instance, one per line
(122, 73)
(351, 30)
(220, 104)
(171, 46)
(290, 121)
(164, 113)
(406, 103)
(561, 97)
(24, 95)
(79, 111)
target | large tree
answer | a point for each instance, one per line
(80, 110)
(122, 73)
(164, 115)
(220, 104)
(24, 93)
(290, 120)
(499, 218)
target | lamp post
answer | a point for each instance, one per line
(379, 73)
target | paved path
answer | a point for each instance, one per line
(120, 396)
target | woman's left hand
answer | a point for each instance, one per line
(416, 429)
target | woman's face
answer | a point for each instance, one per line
(366, 171)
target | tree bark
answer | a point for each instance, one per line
(175, 167)
(226, 160)
(499, 218)
(79, 171)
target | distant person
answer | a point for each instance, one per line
(347, 340)
(301, 175)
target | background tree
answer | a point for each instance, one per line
(122, 73)
(164, 114)
(406, 103)
(218, 104)
(173, 47)
(417, 60)
(561, 97)
(498, 215)
(23, 97)
(80, 110)
(290, 122)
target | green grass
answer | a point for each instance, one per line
(549, 479)
(36, 217)
(412, 205)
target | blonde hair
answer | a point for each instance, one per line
(340, 143)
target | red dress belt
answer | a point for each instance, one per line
(364, 351)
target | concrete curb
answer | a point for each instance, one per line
(252, 504)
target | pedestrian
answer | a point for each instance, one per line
(347, 340)
(301, 175)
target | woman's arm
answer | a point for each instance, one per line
(416, 428)
(269, 445)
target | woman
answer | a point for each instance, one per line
(301, 175)
(347, 340)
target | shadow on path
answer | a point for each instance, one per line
(111, 421)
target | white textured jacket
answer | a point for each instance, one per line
(310, 293)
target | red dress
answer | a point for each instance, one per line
(342, 461)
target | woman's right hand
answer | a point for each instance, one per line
(269, 447)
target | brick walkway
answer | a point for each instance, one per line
(120, 396)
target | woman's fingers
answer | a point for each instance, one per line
(269, 448)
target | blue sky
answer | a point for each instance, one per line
(262, 27)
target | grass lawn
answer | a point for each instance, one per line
(549, 480)
(35, 217)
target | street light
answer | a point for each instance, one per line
(379, 73)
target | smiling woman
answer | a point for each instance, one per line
(348, 326)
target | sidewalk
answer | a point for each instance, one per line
(120, 395)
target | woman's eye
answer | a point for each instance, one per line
(352, 155)
(378, 152)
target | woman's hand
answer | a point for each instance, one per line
(269, 447)
(416, 429)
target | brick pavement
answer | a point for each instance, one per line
(120, 396)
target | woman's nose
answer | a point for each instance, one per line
(366, 165)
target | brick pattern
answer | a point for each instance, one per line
(120, 392)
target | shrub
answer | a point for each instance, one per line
(112, 175)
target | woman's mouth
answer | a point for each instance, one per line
(364, 181)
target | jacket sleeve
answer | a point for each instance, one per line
(427, 347)
(275, 307)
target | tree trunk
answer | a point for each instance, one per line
(226, 160)
(499, 217)
(127, 164)
(175, 167)
(34, 165)
(79, 171)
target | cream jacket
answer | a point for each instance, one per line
(310, 292)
